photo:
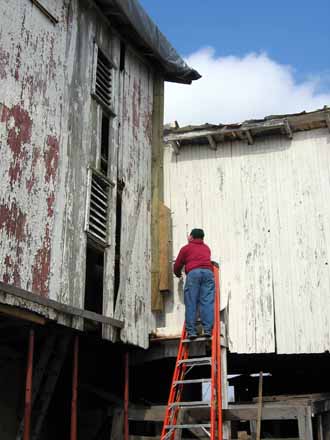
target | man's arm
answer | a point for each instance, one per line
(179, 263)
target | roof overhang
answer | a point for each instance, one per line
(131, 19)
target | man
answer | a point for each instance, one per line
(199, 286)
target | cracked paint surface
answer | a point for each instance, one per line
(46, 145)
(30, 118)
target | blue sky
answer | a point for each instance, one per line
(291, 33)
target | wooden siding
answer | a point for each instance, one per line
(49, 131)
(135, 148)
(265, 211)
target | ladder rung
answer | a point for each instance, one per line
(196, 425)
(196, 404)
(193, 381)
(196, 361)
(199, 339)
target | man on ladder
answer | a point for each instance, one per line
(202, 288)
(199, 286)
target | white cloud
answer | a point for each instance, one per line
(234, 89)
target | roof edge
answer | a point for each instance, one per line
(132, 15)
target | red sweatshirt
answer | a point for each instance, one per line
(195, 255)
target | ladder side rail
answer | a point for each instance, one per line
(182, 371)
(219, 369)
(214, 361)
(173, 392)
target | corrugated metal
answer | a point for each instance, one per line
(265, 213)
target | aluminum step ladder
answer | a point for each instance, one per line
(212, 428)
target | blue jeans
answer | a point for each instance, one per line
(199, 291)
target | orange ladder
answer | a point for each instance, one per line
(184, 364)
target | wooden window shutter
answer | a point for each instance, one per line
(97, 207)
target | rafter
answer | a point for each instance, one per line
(287, 129)
(212, 142)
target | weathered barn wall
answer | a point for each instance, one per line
(49, 128)
(265, 211)
(32, 132)
(134, 169)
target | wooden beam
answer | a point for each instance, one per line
(259, 406)
(234, 412)
(250, 412)
(157, 193)
(298, 398)
(305, 425)
(25, 315)
(204, 132)
(154, 413)
(212, 142)
(176, 146)
(249, 137)
(327, 120)
(287, 129)
(57, 306)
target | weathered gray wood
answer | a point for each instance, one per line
(204, 132)
(253, 429)
(234, 412)
(213, 144)
(259, 406)
(154, 413)
(321, 406)
(288, 129)
(293, 397)
(326, 425)
(319, 427)
(327, 120)
(305, 425)
(57, 306)
(117, 429)
(249, 137)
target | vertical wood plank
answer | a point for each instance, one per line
(156, 188)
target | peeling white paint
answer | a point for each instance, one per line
(47, 141)
(265, 212)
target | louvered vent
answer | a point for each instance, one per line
(103, 85)
(97, 207)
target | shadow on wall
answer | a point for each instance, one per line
(190, 151)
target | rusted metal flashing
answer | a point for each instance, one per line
(59, 307)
